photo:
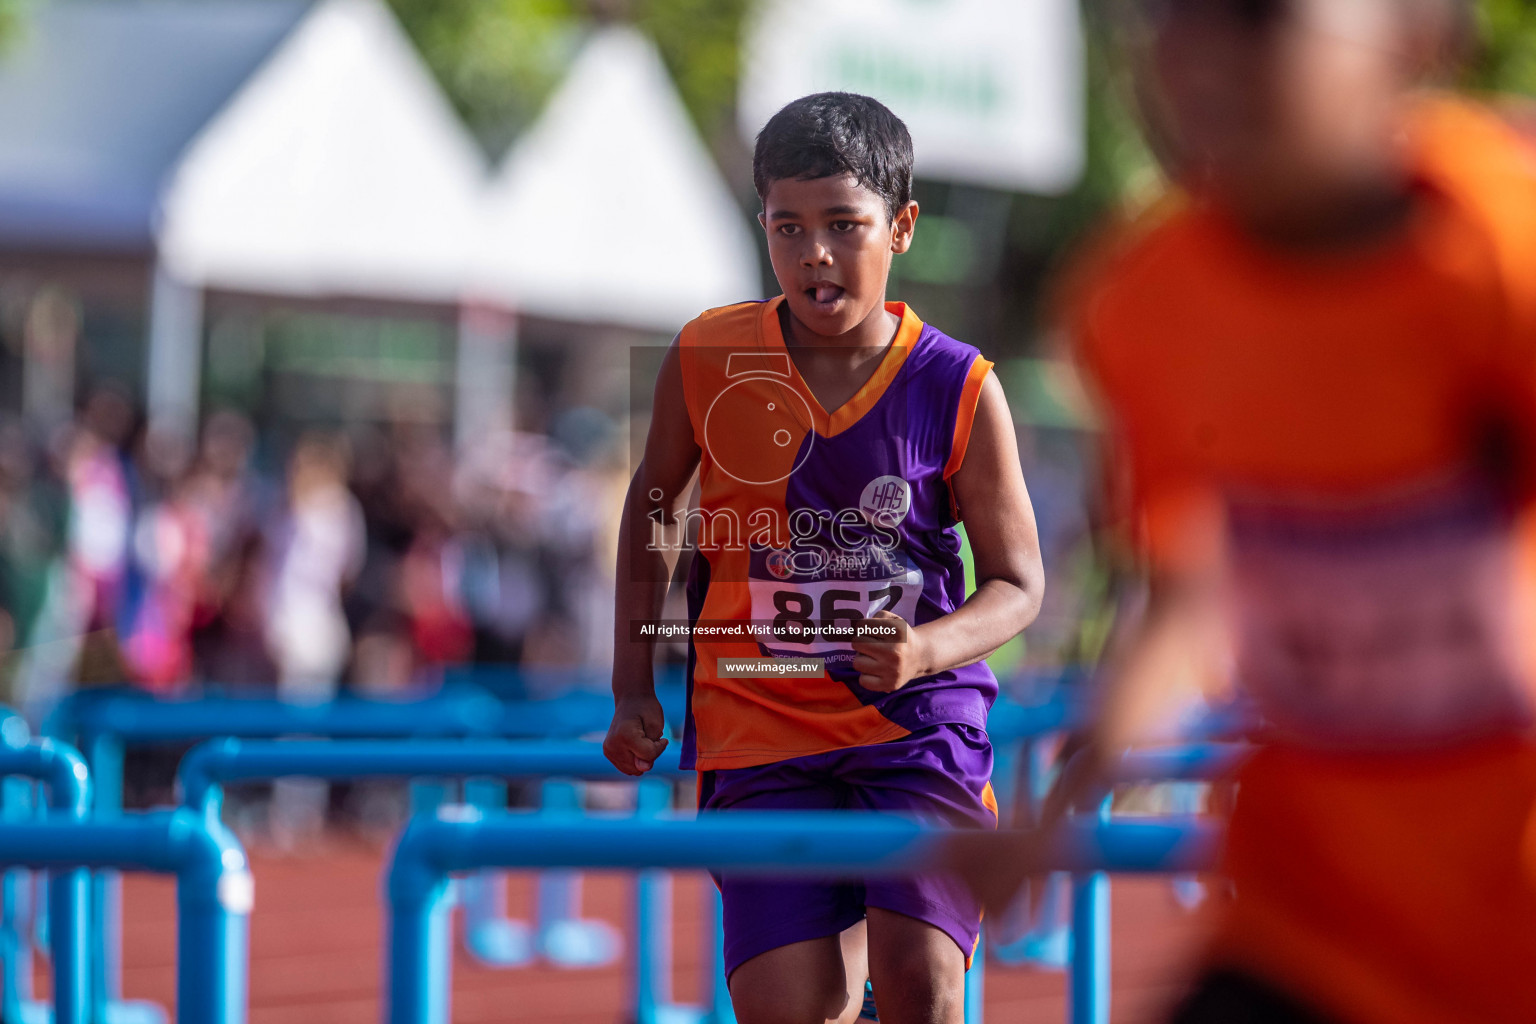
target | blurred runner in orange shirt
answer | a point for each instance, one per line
(1318, 368)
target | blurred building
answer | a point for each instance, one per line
(169, 170)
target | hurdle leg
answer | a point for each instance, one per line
(563, 936)
(653, 961)
(212, 949)
(10, 953)
(104, 754)
(652, 965)
(70, 950)
(38, 910)
(15, 943)
(1088, 969)
(418, 972)
(489, 935)
(15, 948)
(653, 946)
(427, 795)
(1043, 940)
(1050, 938)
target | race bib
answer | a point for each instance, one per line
(1387, 629)
(811, 602)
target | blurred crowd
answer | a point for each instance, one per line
(372, 557)
(376, 558)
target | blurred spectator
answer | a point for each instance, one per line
(229, 497)
(171, 549)
(502, 484)
(231, 503)
(73, 637)
(100, 511)
(430, 587)
(32, 510)
(319, 549)
(231, 645)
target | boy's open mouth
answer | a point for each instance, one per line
(824, 296)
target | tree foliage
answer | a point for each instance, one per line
(497, 59)
(500, 59)
(1506, 57)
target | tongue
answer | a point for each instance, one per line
(828, 292)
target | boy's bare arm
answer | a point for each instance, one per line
(636, 736)
(1010, 581)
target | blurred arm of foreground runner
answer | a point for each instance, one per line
(1173, 651)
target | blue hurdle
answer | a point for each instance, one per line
(18, 900)
(104, 723)
(213, 892)
(1023, 773)
(560, 935)
(1088, 990)
(1020, 726)
(418, 966)
(63, 771)
(139, 720)
(209, 765)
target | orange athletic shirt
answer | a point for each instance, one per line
(1388, 887)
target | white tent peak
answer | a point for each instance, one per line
(339, 168)
(610, 209)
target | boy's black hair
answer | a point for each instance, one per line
(836, 133)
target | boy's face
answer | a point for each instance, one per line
(1277, 107)
(831, 241)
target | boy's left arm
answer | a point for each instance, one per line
(1010, 581)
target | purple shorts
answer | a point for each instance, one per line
(938, 775)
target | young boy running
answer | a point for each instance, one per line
(838, 440)
(1319, 368)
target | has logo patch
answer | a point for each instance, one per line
(888, 497)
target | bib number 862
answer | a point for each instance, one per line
(799, 616)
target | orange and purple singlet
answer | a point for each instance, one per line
(809, 522)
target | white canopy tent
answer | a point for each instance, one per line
(610, 209)
(338, 168)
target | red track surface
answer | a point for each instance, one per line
(317, 934)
